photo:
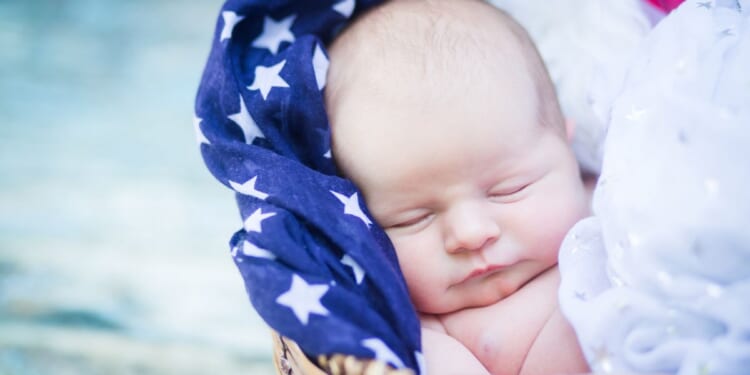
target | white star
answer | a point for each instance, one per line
(230, 21)
(251, 250)
(327, 155)
(304, 299)
(712, 187)
(714, 290)
(267, 77)
(664, 278)
(680, 65)
(200, 137)
(359, 273)
(420, 362)
(351, 206)
(345, 7)
(274, 33)
(634, 240)
(635, 114)
(320, 66)
(252, 223)
(382, 352)
(248, 188)
(243, 119)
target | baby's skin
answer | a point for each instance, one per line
(443, 115)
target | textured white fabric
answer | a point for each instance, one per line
(659, 279)
(586, 45)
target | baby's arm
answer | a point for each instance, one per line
(445, 355)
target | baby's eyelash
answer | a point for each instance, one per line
(509, 192)
(411, 222)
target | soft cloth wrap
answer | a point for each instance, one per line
(658, 281)
(316, 268)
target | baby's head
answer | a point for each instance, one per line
(444, 116)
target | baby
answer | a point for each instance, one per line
(444, 116)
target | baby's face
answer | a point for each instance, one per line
(475, 194)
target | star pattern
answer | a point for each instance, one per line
(199, 136)
(351, 206)
(231, 19)
(714, 290)
(248, 188)
(275, 33)
(712, 187)
(382, 352)
(269, 55)
(320, 66)
(421, 364)
(251, 250)
(243, 119)
(255, 44)
(636, 114)
(254, 221)
(267, 77)
(359, 272)
(304, 299)
(345, 8)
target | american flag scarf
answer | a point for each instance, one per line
(315, 266)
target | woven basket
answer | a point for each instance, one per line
(289, 360)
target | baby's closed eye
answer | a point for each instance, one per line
(412, 221)
(508, 193)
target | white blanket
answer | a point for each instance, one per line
(658, 280)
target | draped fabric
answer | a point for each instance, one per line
(316, 267)
(658, 281)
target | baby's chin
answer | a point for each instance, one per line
(482, 293)
(449, 308)
(455, 303)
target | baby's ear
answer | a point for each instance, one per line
(570, 129)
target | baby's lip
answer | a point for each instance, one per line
(484, 271)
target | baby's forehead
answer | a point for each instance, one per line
(438, 44)
(444, 27)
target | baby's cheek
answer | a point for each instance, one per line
(411, 259)
(420, 262)
(542, 225)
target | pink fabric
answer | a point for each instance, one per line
(665, 5)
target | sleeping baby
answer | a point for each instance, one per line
(444, 116)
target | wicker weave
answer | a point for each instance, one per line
(289, 360)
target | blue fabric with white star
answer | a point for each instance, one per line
(315, 266)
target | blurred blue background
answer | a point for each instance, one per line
(113, 235)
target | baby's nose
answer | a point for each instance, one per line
(469, 227)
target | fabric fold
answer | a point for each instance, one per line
(315, 266)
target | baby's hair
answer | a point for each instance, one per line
(426, 36)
